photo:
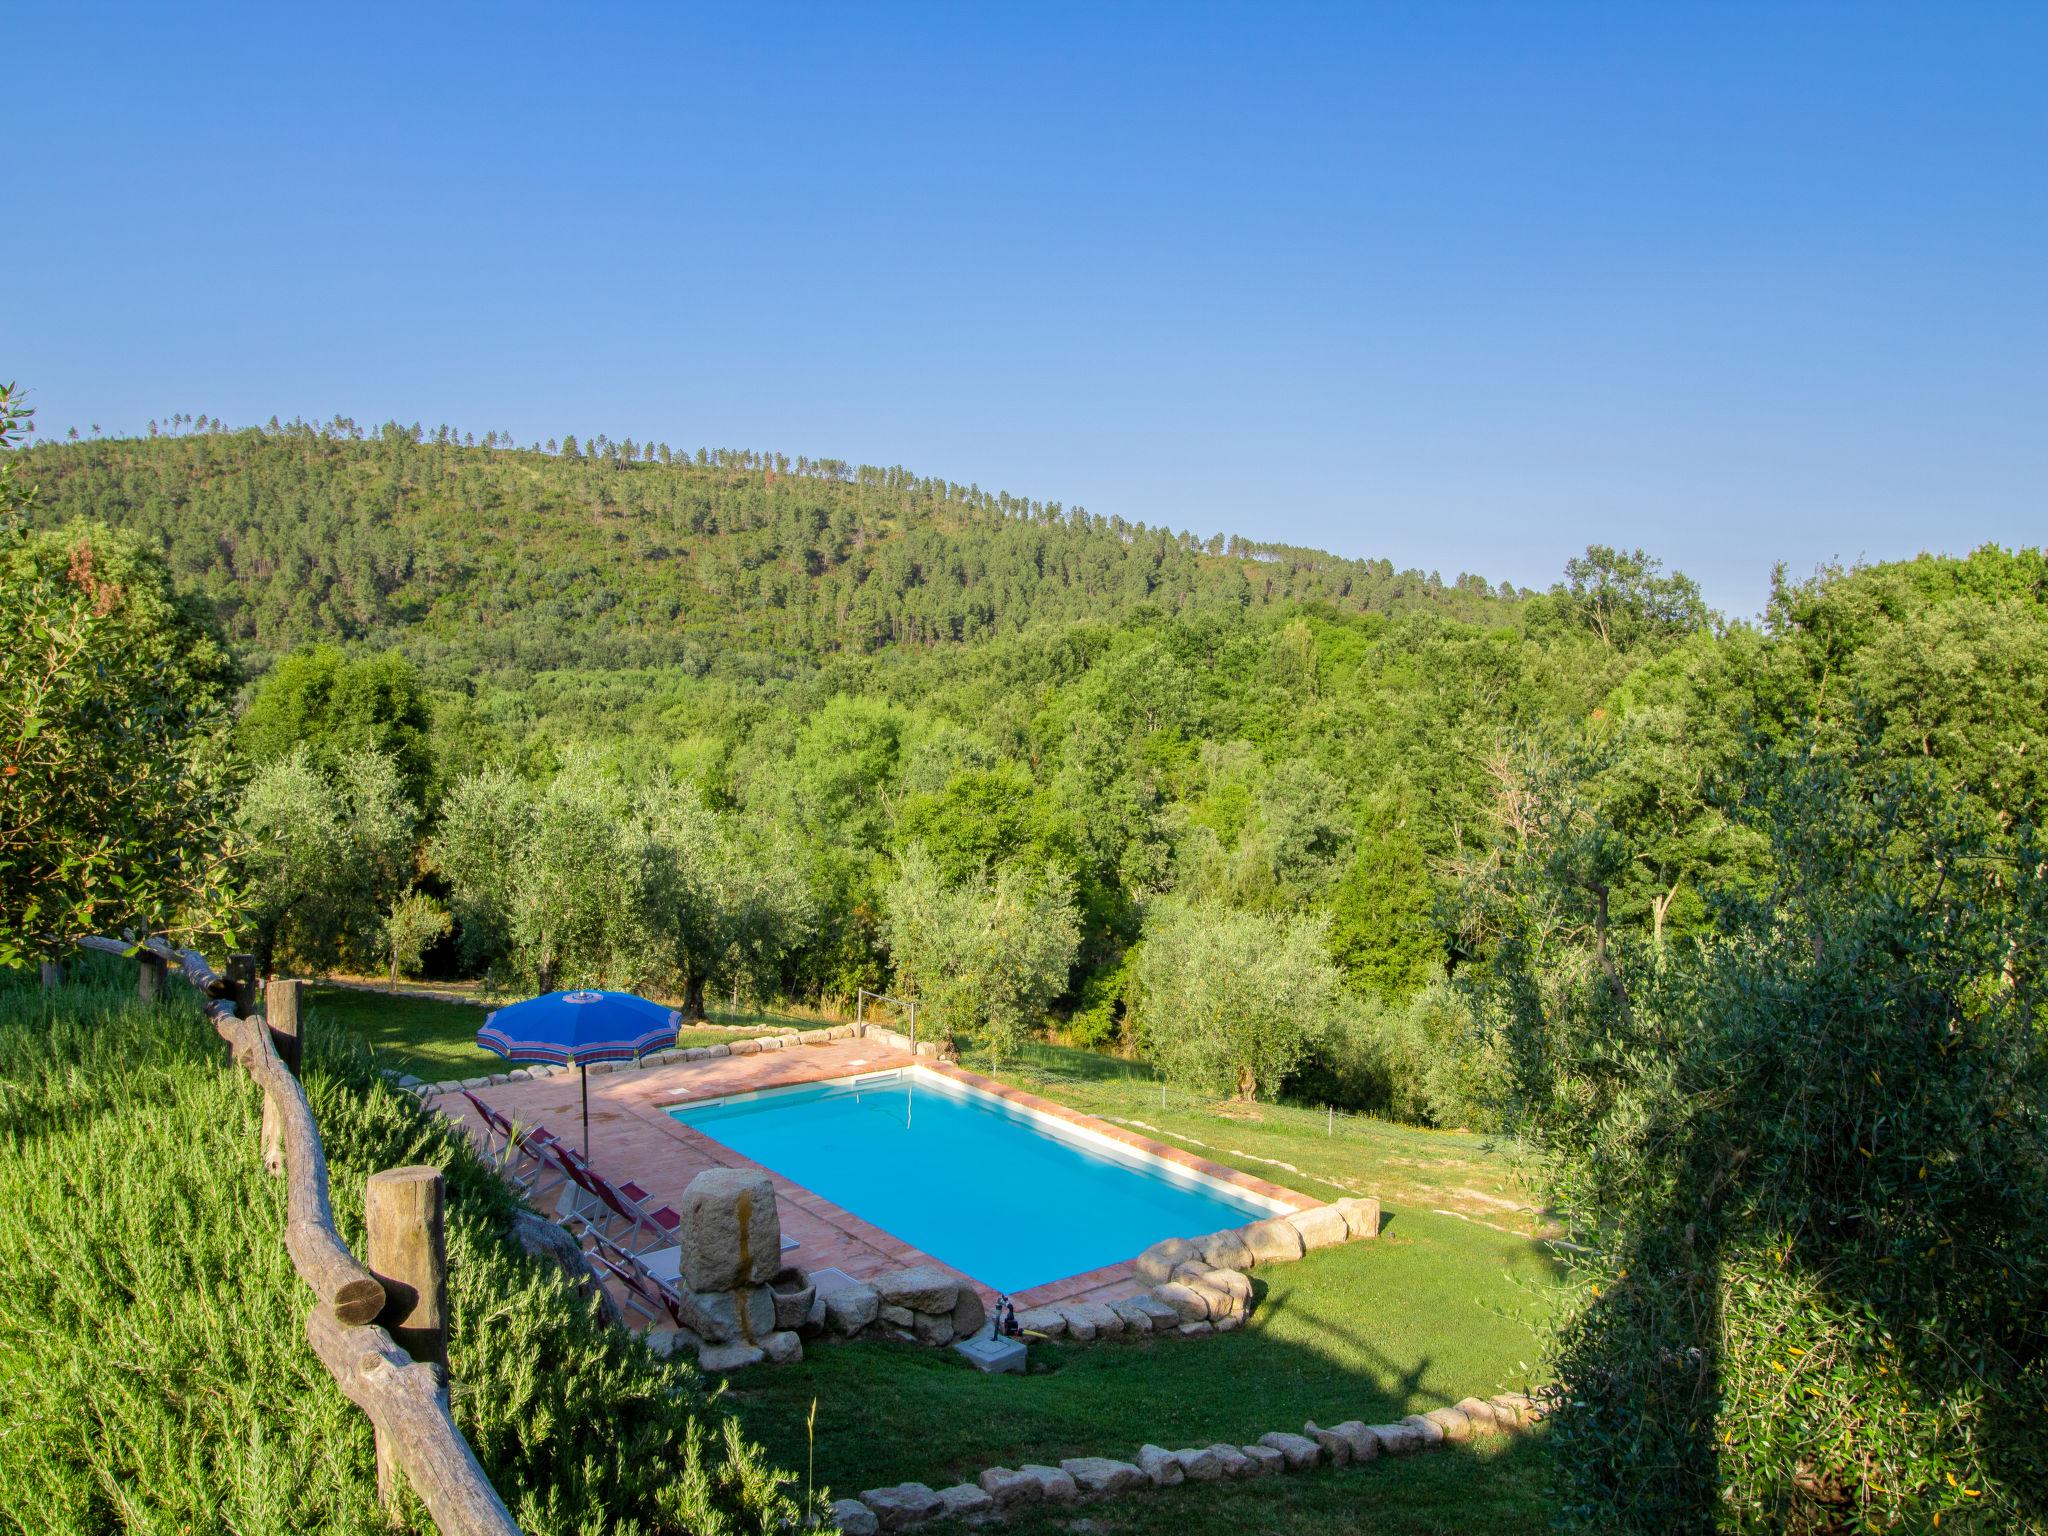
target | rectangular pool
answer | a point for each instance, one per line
(1012, 1198)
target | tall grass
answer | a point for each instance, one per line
(154, 1374)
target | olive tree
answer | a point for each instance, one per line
(986, 955)
(325, 856)
(586, 880)
(1230, 1002)
(411, 927)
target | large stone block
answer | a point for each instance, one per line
(1298, 1451)
(1098, 1477)
(1200, 1464)
(970, 1312)
(1160, 1466)
(932, 1328)
(1136, 1318)
(1010, 1488)
(1157, 1263)
(722, 1316)
(1402, 1439)
(729, 1231)
(736, 1356)
(1188, 1305)
(1235, 1463)
(1057, 1486)
(1323, 1227)
(1453, 1422)
(1103, 1319)
(1335, 1448)
(1232, 1283)
(1163, 1317)
(900, 1507)
(1365, 1445)
(1361, 1216)
(921, 1288)
(1273, 1241)
(964, 1500)
(851, 1308)
(1484, 1416)
(1432, 1432)
(1050, 1321)
(1264, 1459)
(854, 1518)
(1227, 1250)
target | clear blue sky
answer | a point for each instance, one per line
(1466, 286)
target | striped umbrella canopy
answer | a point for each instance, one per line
(577, 1028)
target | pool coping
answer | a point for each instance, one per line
(1279, 1200)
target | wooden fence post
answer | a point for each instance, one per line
(242, 979)
(151, 974)
(281, 1008)
(407, 1253)
(281, 1014)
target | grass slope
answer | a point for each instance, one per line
(154, 1374)
(1435, 1309)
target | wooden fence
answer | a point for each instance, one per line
(364, 1310)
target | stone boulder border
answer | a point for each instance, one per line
(999, 1491)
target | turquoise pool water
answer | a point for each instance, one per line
(967, 1178)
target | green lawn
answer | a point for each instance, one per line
(1404, 1165)
(1432, 1311)
(430, 1038)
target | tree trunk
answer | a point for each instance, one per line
(1247, 1086)
(693, 997)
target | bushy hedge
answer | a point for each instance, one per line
(1807, 1161)
(154, 1373)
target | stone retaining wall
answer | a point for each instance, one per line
(1001, 1491)
(1199, 1285)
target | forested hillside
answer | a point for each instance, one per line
(625, 554)
(883, 730)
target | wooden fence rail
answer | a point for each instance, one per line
(405, 1398)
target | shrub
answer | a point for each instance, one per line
(1806, 1162)
(154, 1372)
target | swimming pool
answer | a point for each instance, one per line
(1002, 1194)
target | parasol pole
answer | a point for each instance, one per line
(583, 1077)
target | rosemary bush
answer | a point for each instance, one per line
(154, 1374)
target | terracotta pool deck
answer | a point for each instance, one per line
(633, 1137)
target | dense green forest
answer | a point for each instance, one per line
(806, 671)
